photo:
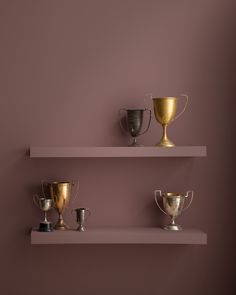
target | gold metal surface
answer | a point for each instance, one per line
(60, 192)
(165, 112)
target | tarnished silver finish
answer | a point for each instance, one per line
(134, 122)
(173, 206)
(44, 205)
(81, 216)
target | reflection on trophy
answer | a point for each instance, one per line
(81, 216)
(173, 206)
(60, 192)
(134, 122)
(165, 112)
(44, 205)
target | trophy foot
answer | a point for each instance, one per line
(81, 228)
(45, 227)
(61, 225)
(135, 144)
(173, 227)
(165, 143)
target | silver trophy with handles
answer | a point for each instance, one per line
(173, 205)
(44, 205)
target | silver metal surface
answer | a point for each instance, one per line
(134, 122)
(173, 206)
(81, 216)
(44, 205)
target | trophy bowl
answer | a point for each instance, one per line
(81, 216)
(134, 122)
(173, 206)
(44, 205)
(60, 193)
(165, 112)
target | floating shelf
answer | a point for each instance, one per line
(121, 236)
(117, 152)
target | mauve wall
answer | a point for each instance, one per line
(66, 67)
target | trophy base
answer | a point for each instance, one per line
(173, 227)
(135, 145)
(134, 142)
(165, 143)
(45, 227)
(61, 225)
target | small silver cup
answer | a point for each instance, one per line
(81, 216)
(173, 206)
(45, 205)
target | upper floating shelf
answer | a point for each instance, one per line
(117, 152)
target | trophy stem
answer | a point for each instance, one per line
(45, 216)
(134, 142)
(173, 225)
(172, 221)
(61, 225)
(165, 142)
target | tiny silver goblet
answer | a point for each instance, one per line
(81, 216)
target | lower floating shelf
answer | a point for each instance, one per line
(120, 236)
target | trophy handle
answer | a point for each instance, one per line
(120, 117)
(36, 200)
(149, 96)
(71, 212)
(186, 97)
(190, 202)
(43, 183)
(76, 191)
(150, 117)
(89, 213)
(155, 197)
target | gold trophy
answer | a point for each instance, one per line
(60, 192)
(165, 113)
(173, 206)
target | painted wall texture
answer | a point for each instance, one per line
(66, 67)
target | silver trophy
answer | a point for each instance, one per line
(173, 206)
(81, 216)
(134, 122)
(44, 205)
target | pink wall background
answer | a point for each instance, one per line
(66, 67)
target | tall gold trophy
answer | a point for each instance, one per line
(60, 192)
(165, 113)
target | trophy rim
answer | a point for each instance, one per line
(172, 195)
(134, 109)
(165, 97)
(60, 182)
(81, 208)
